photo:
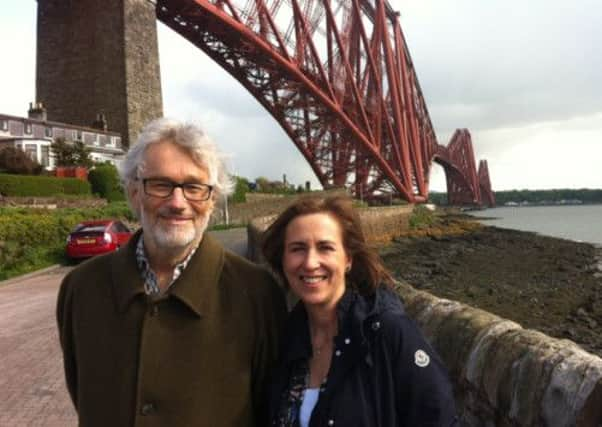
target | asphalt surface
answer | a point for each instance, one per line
(32, 386)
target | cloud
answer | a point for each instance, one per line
(493, 64)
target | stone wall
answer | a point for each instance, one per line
(98, 56)
(262, 205)
(142, 71)
(51, 202)
(503, 375)
(255, 197)
(383, 224)
(380, 225)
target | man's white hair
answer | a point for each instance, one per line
(186, 135)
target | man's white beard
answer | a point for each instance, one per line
(172, 238)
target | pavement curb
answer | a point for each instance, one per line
(17, 279)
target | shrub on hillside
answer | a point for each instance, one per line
(16, 161)
(35, 238)
(41, 186)
(421, 217)
(240, 189)
(35, 227)
(104, 180)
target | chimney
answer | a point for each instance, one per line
(100, 122)
(37, 111)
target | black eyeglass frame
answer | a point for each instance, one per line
(174, 185)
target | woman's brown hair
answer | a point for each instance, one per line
(367, 271)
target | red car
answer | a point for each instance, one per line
(91, 238)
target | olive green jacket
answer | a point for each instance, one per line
(198, 357)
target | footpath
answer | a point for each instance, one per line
(32, 388)
(32, 385)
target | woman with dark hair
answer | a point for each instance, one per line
(350, 355)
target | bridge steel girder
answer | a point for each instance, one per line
(487, 196)
(465, 186)
(335, 74)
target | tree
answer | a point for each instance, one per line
(262, 184)
(240, 189)
(75, 154)
(63, 153)
(81, 155)
(15, 160)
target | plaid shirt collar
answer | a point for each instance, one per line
(151, 283)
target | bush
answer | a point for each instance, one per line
(71, 154)
(16, 161)
(104, 180)
(240, 190)
(119, 209)
(34, 238)
(421, 218)
(35, 227)
(41, 186)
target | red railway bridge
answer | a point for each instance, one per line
(338, 78)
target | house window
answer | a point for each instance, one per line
(48, 132)
(45, 155)
(4, 125)
(78, 135)
(28, 128)
(32, 151)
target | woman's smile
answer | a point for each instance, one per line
(315, 259)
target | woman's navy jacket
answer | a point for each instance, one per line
(383, 372)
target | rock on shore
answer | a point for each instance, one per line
(548, 284)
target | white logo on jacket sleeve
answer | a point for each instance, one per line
(421, 358)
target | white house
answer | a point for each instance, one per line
(34, 135)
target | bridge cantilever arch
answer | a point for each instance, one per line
(338, 78)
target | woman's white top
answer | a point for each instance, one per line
(310, 398)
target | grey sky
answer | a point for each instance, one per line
(523, 77)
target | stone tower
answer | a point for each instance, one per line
(99, 57)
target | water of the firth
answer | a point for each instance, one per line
(580, 222)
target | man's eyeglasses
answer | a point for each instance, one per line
(163, 189)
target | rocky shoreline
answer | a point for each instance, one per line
(544, 283)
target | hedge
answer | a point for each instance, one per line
(104, 180)
(34, 238)
(41, 186)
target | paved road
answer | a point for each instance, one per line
(32, 390)
(32, 387)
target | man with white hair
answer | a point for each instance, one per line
(170, 330)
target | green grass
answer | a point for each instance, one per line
(422, 218)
